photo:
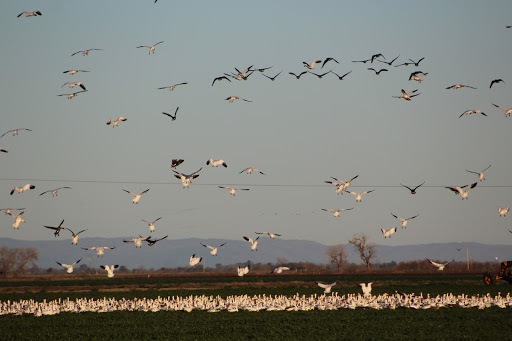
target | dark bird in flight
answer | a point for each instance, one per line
(377, 56)
(496, 81)
(176, 162)
(152, 242)
(85, 52)
(297, 76)
(361, 61)
(220, 78)
(340, 77)
(30, 14)
(319, 76)
(458, 86)
(413, 190)
(377, 72)
(389, 63)
(173, 118)
(329, 59)
(57, 229)
(272, 78)
(418, 62)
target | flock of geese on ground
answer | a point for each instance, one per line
(186, 179)
(255, 303)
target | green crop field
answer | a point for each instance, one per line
(343, 324)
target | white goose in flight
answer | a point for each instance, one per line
(74, 71)
(69, 267)
(249, 170)
(341, 185)
(110, 269)
(136, 241)
(481, 176)
(232, 190)
(214, 249)
(18, 220)
(30, 14)
(231, 99)
(8, 211)
(72, 95)
(194, 260)
(508, 112)
(327, 287)
(151, 48)
(171, 87)
(502, 211)
(280, 269)
(22, 189)
(243, 270)
(311, 65)
(366, 288)
(460, 190)
(116, 122)
(74, 236)
(186, 179)
(254, 242)
(216, 163)
(458, 86)
(404, 221)
(272, 235)
(73, 84)
(439, 266)
(14, 131)
(336, 213)
(388, 233)
(472, 111)
(55, 191)
(136, 197)
(151, 224)
(100, 250)
(359, 196)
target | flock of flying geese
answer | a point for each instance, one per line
(186, 179)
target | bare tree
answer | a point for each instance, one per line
(365, 249)
(337, 255)
(14, 261)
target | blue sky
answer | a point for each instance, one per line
(299, 132)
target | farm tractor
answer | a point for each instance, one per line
(505, 273)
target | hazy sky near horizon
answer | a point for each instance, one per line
(300, 133)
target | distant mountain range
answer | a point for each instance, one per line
(175, 253)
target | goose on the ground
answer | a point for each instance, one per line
(413, 190)
(114, 123)
(85, 52)
(216, 163)
(243, 270)
(74, 236)
(472, 111)
(249, 170)
(311, 65)
(186, 179)
(55, 191)
(136, 197)
(194, 260)
(151, 48)
(508, 112)
(407, 95)
(152, 242)
(22, 189)
(231, 99)
(254, 242)
(366, 288)
(481, 176)
(404, 220)
(173, 118)
(359, 196)
(137, 241)
(110, 269)
(327, 287)
(232, 190)
(502, 211)
(214, 249)
(14, 131)
(69, 267)
(151, 224)
(272, 235)
(100, 250)
(30, 14)
(460, 190)
(439, 266)
(73, 84)
(72, 95)
(56, 229)
(389, 232)
(336, 213)
(18, 220)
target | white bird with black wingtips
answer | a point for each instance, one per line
(18, 220)
(216, 163)
(366, 288)
(460, 190)
(110, 269)
(481, 176)
(327, 287)
(22, 188)
(194, 260)
(186, 179)
(439, 266)
(272, 235)
(254, 242)
(69, 267)
(232, 190)
(136, 197)
(404, 220)
(214, 249)
(151, 224)
(359, 196)
(388, 233)
(502, 211)
(336, 213)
